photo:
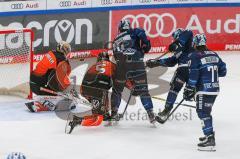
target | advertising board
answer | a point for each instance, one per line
(22, 5)
(68, 4)
(159, 24)
(84, 31)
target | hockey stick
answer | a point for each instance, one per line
(65, 96)
(162, 99)
(163, 54)
(161, 121)
(158, 57)
(129, 98)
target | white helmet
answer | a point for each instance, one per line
(200, 40)
(16, 155)
(63, 47)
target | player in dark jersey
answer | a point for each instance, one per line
(205, 67)
(95, 85)
(182, 47)
(52, 72)
(129, 48)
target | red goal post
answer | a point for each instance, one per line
(16, 61)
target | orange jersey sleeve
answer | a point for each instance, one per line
(48, 62)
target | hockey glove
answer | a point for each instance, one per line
(152, 63)
(175, 47)
(189, 93)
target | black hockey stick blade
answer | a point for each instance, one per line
(161, 121)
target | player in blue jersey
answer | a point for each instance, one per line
(181, 47)
(205, 67)
(129, 48)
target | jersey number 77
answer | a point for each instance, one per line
(214, 70)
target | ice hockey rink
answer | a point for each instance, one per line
(41, 136)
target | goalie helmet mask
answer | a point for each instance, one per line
(103, 56)
(200, 40)
(177, 33)
(63, 47)
(124, 25)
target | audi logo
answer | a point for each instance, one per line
(65, 4)
(148, 22)
(106, 2)
(17, 6)
(144, 1)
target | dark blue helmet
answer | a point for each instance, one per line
(200, 40)
(124, 25)
(177, 33)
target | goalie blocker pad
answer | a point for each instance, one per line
(58, 80)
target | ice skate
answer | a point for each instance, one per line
(71, 124)
(151, 117)
(207, 144)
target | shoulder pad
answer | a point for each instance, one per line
(195, 54)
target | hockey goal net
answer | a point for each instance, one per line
(16, 61)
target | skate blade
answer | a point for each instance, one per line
(207, 149)
(153, 124)
(115, 123)
(68, 128)
(108, 124)
(111, 123)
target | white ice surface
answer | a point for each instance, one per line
(41, 136)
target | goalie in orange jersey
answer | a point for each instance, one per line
(52, 72)
(95, 85)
